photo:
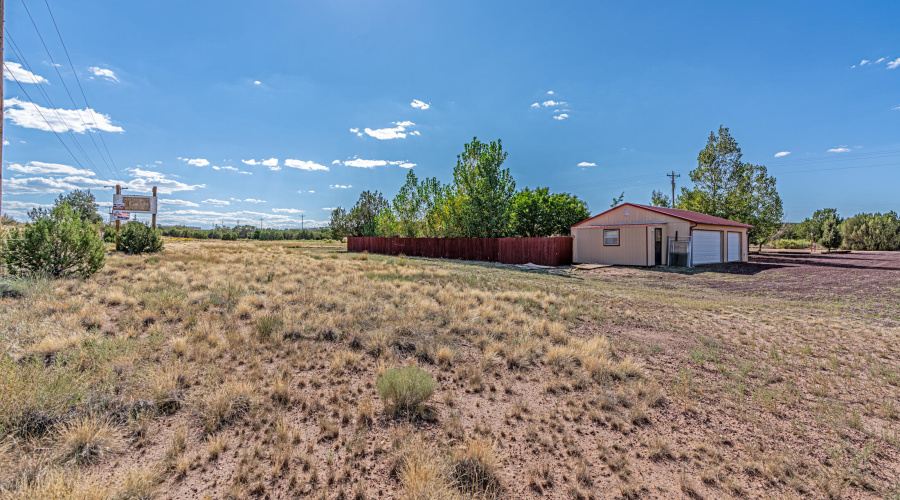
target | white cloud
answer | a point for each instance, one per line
(5, 142)
(104, 73)
(304, 165)
(365, 163)
(210, 218)
(197, 162)
(287, 211)
(251, 173)
(218, 203)
(549, 92)
(225, 168)
(253, 200)
(271, 162)
(29, 115)
(257, 82)
(144, 180)
(39, 167)
(893, 64)
(275, 168)
(864, 62)
(782, 153)
(339, 186)
(329, 208)
(250, 162)
(398, 132)
(536, 105)
(895, 108)
(23, 205)
(880, 60)
(562, 116)
(177, 203)
(15, 71)
(548, 104)
(587, 164)
(419, 104)
(842, 149)
(407, 165)
(415, 132)
(336, 162)
(356, 131)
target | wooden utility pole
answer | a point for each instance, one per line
(118, 191)
(673, 176)
(301, 215)
(2, 16)
(157, 204)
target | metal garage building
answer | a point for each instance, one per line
(640, 235)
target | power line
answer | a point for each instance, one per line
(66, 87)
(78, 80)
(38, 109)
(53, 107)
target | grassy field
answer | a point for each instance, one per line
(251, 370)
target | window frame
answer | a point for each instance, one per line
(618, 237)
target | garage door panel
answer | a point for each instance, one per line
(734, 247)
(707, 247)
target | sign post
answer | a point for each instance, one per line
(124, 206)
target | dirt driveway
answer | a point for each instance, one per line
(866, 282)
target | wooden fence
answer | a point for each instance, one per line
(556, 251)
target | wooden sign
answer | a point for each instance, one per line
(139, 204)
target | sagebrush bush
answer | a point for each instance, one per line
(137, 238)
(57, 243)
(405, 390)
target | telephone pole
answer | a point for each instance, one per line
(673, 176)
(2, 2)
(301, 215)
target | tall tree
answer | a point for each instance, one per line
(83, 202)
(364, 215)
(539, 213)
(724, 186)
(658, 199)
(814, 226)
(482, 191)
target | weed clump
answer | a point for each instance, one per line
(88, 439)
(405, 390)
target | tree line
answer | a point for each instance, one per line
(246, 232)
(481, 201)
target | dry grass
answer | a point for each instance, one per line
(261, 361)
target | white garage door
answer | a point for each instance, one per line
(707, 247)
(734, 247)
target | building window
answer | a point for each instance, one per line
(611, 237)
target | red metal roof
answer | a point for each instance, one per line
(687, 215)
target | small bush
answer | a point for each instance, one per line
(475, 467)
(229, 237)
(405, 390)
(137, 238)
(791, 244)
(88, 439)
(57, 243)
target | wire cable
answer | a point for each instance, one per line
(78, 80)
(38, 109)
(66, 87)
(53, 107)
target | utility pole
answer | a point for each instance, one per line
(260, 222)
(673, 176)
(301, 215)
(118, 191)
(2, 2)
(154, 213)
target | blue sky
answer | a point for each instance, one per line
(273, 109)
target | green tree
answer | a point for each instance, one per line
(57, 243)
(340, 223)
(724, 186)
(618, 201)
(136, 238)
(872, 232)
(83, 202)
(482, 192)
(364, 215)
(814, 226)
(831, 232)
(658, 199)
(539, 213)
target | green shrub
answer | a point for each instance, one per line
(405, 390)
(138, 238)
(57, 243)
(791, 244)
(872, 232)
(229, 237)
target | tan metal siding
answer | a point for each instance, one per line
(632, 249)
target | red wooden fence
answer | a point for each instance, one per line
(556, 251)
